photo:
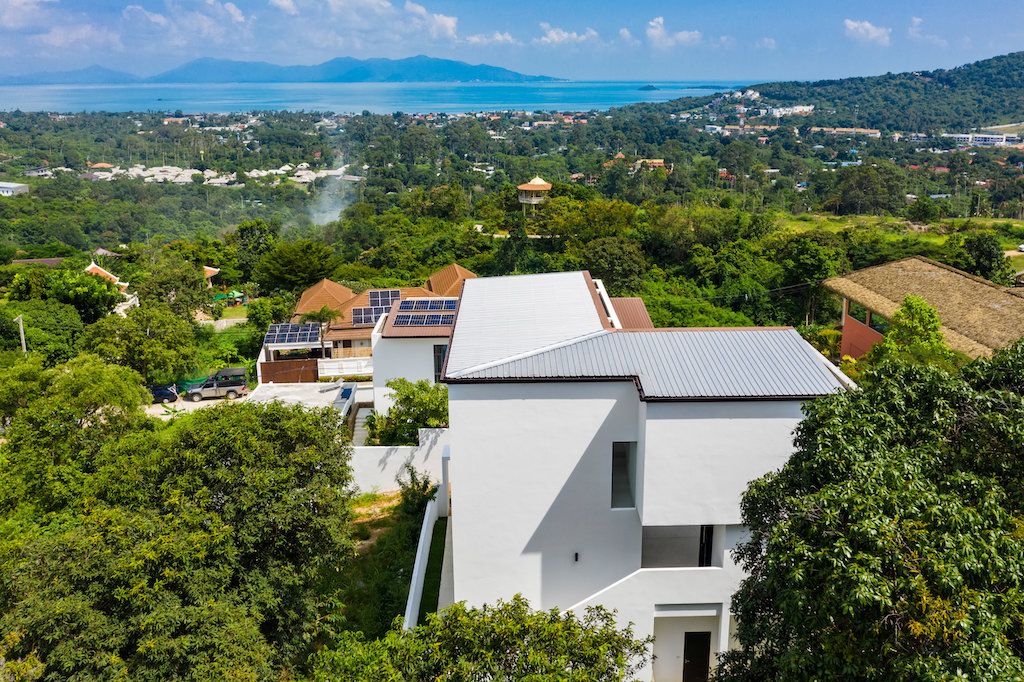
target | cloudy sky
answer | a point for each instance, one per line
(596, 39)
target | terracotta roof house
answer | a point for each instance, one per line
(209, 273)
(978, 316)
(448, 280)
(94, 269)
(324, 293)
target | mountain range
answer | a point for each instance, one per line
(419, 69)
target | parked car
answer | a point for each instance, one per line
(1021, 248)
(224, 383)
(164, 394)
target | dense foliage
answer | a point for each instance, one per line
(194, 550)
(416, 405)
(504, 641)
(888, 548)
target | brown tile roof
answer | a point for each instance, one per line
(977, 316)
(323, 293)
(342, 328)
(448, 280)
(48, 262)
(632, 313)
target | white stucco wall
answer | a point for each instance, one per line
(377, 467)
(531, 487)
(699, 457)
(401, 358)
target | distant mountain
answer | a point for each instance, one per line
(418, 69)
(978, 94)
(87, 76)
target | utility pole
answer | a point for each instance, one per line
(21, 330)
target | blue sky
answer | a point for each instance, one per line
(599, 39)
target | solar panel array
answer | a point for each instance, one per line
(429, 304)
(293, 333)
(368, 316)
(383, 298)
(431, 320)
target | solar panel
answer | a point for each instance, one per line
(368, 316)
(432, 320)
(429, 304)
(383, 298)
(292, 333)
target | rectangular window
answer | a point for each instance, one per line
(440, 351)
(707, 539)
(623, 475)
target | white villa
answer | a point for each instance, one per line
(595, 464)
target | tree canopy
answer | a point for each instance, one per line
(888, 548)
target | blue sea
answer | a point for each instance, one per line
(350, 97)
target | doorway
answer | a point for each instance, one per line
(696, 656)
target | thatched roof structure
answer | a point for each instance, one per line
(978, 317)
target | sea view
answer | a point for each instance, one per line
(352, 97)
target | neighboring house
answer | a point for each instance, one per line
(448, 280)
(595, 464)
(9, 189)
(349, 338)
(978, 316)
(411, 342)
(94, 269)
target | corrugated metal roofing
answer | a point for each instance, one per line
(502, 317)
(686, 364)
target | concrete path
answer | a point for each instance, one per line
(359, 437)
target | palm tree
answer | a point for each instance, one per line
(323, 317)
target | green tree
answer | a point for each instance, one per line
(51, 329)
(202, 549)
(93, 297)
(172, 281)
(415, 406)
(323, 318)
(618, 262)
(253, 239)
(888, 547)
(268, 310)
(151, 339)
(291, 266)
(505, 641)
(981, 253)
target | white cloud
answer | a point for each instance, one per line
(626, 36)
(235, 13)
(766, 43)
(916, 32)
(132, 11)
(496, 38)
(662, 39)
(554, 35)
(437, 25)
(726, 41)
(81, 36)
(866, 32)
(21, 13)
(286, 6)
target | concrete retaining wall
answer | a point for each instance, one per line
(377, 467)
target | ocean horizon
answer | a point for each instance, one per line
(381, 98)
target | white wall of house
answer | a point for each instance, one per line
(700, 456)
(531, 487)
(401, 358)
(376, 468)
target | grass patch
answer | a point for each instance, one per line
(432, 579)
(235, 313)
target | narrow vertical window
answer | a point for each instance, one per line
(707, 539)
(623, 475)
(440, 351)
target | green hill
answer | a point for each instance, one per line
(983, 93)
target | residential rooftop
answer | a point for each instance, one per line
(978, 316)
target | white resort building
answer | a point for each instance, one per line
(597, 461)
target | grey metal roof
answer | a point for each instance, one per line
(685, 364)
